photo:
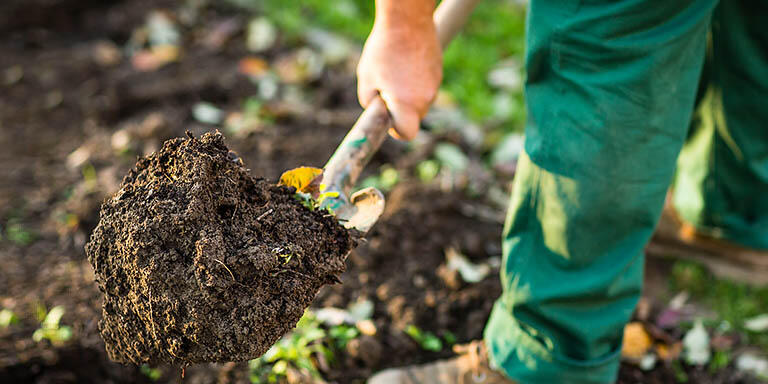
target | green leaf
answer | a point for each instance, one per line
(280, 368)
(7, 318)
(53, 317)
(432, 343)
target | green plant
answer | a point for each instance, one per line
(295, 350)
(427, 170)
(427, 340)
(17, 233)
(315, 204)
(153, 374)
(719, 361)
(342, 334)
(449, 337)
(733, 302)
(7, 318)
(387, 178)
(51, 329)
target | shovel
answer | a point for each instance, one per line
(362, 209)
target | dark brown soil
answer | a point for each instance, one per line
(200, 262)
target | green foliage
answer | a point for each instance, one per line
(295, 350)
(342, 334)
(427, 170)
(680, 375)
(734, 302)
(449, 337)
(50, 328)
(315, 204)
(387, 178)
(153, 374)
(300, 349)
(352, 18)
(719, 361)
(7, 318)
(17, 233)
(427, 340)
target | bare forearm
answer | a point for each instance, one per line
(413, 15)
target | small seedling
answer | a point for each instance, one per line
(315, 204)
(18, 234)
(294, 351)
(51, 330)
(7, 318)
(449, 337)
(285, 258)
(153, 374)
(719, 361)
(427, 340)
(343, 334)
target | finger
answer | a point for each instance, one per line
(365, 91)
(405, 119)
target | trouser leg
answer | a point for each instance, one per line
(722, 181)
(610, 93)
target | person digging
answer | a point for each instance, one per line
(623, 98)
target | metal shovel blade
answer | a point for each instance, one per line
(364, 208)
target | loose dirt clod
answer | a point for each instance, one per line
(199, 262)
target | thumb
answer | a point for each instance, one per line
(405, 118)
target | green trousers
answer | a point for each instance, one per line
(613, 87)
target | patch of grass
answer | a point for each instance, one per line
(719, 361)
(733, 302)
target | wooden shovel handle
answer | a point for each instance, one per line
(370, 130)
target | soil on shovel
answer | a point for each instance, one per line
(200, 262)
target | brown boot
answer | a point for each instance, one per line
(470, 367)
(673, 237)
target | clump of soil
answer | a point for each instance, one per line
(199, 262)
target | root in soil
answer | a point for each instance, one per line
(200, 262)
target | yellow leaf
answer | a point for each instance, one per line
(636, 341)
(669, 351)
(301, 178)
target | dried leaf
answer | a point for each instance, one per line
(155, 58)
(754, 364)
(696, 345)
(648, 362)
(253, 66)
(301, 178)
(470, 272)
(261, 35)
(757, 324)
(669, 352)
(636, 341)
(207, 113)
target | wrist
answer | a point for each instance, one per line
(408, 16)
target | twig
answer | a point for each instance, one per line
(227, 268)
(263, 215)
(151, 318)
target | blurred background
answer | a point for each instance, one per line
(87, 86)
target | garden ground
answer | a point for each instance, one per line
(89, 85)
